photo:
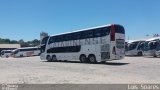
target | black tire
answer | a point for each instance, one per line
(21, 55)
(155, 56)
(139, 54)
(7, 56)
(103, 62)
(49, 59)
(83, 58)
(54, 58)
(92, 59)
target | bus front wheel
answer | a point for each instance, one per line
(140, 54)
(92, 59)
(7, 56)
(49, 58)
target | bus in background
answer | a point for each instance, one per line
(6, 53)
(26, 52)
(150, 47)
(135, 48)
(158, 47)
(98, 44)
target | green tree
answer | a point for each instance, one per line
(35, 42)
(13, 42)
(21, 41)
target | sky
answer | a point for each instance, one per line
(25, 19)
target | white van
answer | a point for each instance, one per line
(6, 53)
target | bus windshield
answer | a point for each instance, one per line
(43, 44)
(132, 46)
(44, 40)
(149, 45)
(15, 51)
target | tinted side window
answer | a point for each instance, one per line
(7, 51)
(51, 40)
(97, 33)
(89, 34)
(64, 49)
(73, 36)
(66, 37)
(105, 31)
(56, 39)
(78, 35)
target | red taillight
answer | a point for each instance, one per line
(112, 34)
(114, 50)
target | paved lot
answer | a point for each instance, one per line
(31, 70)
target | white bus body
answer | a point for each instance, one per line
(134, 48)
(6, 53)
(150, 47)
(26, 52)
(89, 45)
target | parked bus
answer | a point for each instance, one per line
(158, 47)
(151, 46)
(26, 52)
(6, 53)
(92, 45)
(135, 48)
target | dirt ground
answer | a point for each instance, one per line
(31, 70)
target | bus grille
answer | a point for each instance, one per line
(105, 55)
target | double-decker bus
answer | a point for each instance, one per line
(97, 44)
(135, 48)
(26, 52)
(151, 47)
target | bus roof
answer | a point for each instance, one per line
(85, 29)
(131, 41)
(154, 38)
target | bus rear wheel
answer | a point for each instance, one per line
(49, 58)
(155, 56)
(92, 59)
(83, 58)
